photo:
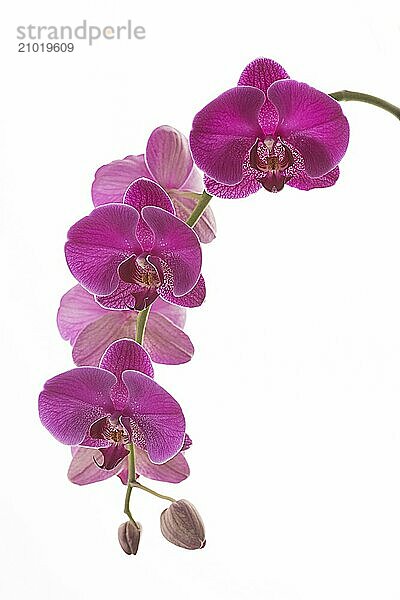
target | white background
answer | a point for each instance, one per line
(293, 395)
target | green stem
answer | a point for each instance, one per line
(203, 201)
(141, 321)
(136, 484)
(131, 482)
(346, 95)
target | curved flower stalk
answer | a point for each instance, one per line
(138, 260)
(130, 254)
(168, 162)
(90, 329)
(267, 132)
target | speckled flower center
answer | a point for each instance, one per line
(271, 160)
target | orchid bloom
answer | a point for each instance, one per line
(83, 469)
(130, 254)
(90, 329)
(110, 406)
(169, 163)
(268, 131)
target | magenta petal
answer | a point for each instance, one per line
(98, 243)
(77, 309)
(187, 442)
(126, 355)
(83, 469)
(141, 193)
(166, 343)
(122, 298)
(224, 131)
(174, 470)
(302, 181)
(159, 424)
(95, 338)
(249, 185)
(177, 245)
(194, 298)
(168, 157)
(261, 73)
(112, 180)
(313, 122)
(71, 402)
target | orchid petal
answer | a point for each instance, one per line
(94, 339)
(157, 419)
(302, 181)
(112, 180)
(177, 245)
(261, 73)
(83, 469)
(206, 226)
(194, 298)
(98, 243)
(168, 157)
(313, 122)
(166, 343)
(174, 470)
(112, 457)
(224, 131)
(174, 313)
(71, 402)
(77, 309)
(249, 185)
(141, 193)
(126, 355)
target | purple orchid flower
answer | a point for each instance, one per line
(91, 329)
(268, 131)
(169, 163)
(109, 406)
(130, 254)
(83, 469)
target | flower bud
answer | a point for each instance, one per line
(182, 525)
(129, 537)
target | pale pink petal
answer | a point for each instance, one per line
(174, 470)
(166, 343)
(112, 180)
(174, 313)
(168, 157)
(206, 227)
(77, 309)
(83, 469)
(95, 338)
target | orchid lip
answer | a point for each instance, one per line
(110, 429)
(271, 159)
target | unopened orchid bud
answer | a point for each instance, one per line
(182, 525)
(129, 537)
